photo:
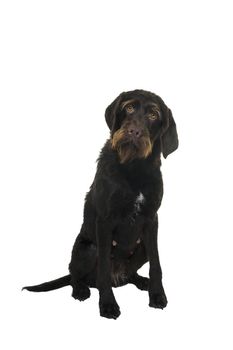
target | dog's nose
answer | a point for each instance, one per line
(135, 131)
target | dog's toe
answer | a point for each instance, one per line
(158, 300)
(110, 310)
(81, 293)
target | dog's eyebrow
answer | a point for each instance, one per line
(126, 103)
(155, 105)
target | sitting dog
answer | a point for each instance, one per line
(119, 231)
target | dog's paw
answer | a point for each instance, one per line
(158, 300)
(81, 293)
(109, 310)
(142, 283)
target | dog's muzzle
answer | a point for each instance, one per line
(131, 142)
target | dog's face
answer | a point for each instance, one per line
(137, 119)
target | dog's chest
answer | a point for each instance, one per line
(128, 230)
(138, 204)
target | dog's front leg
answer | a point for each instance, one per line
(107, 303)
(157, 297)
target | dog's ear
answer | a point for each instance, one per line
(111, 112)
(169, 137)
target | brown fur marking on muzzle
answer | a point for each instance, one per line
(128, 150)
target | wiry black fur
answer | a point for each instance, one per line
(119, 231)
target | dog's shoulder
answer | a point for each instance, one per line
(107, 160)
(110, 190)
(117, 186)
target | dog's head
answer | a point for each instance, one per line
(137, 119)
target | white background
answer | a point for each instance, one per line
(62, 63)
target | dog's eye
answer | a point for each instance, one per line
(129, 108)
(153, 116)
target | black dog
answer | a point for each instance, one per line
(119, 231)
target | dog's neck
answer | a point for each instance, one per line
(153, 160)
(141, 171)
(148, 165)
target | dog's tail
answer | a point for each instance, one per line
(51, 285)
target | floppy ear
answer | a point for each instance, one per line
(111, 112)
(169, 137)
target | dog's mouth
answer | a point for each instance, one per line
(130, 148)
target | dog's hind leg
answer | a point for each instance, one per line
(139, 281)
(80, 290)
(82, 263)
(136, 261)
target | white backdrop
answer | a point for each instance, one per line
(62, 63)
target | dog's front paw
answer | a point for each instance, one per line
(158, 300)
(109, 310)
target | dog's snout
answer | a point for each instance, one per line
(135, 131)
